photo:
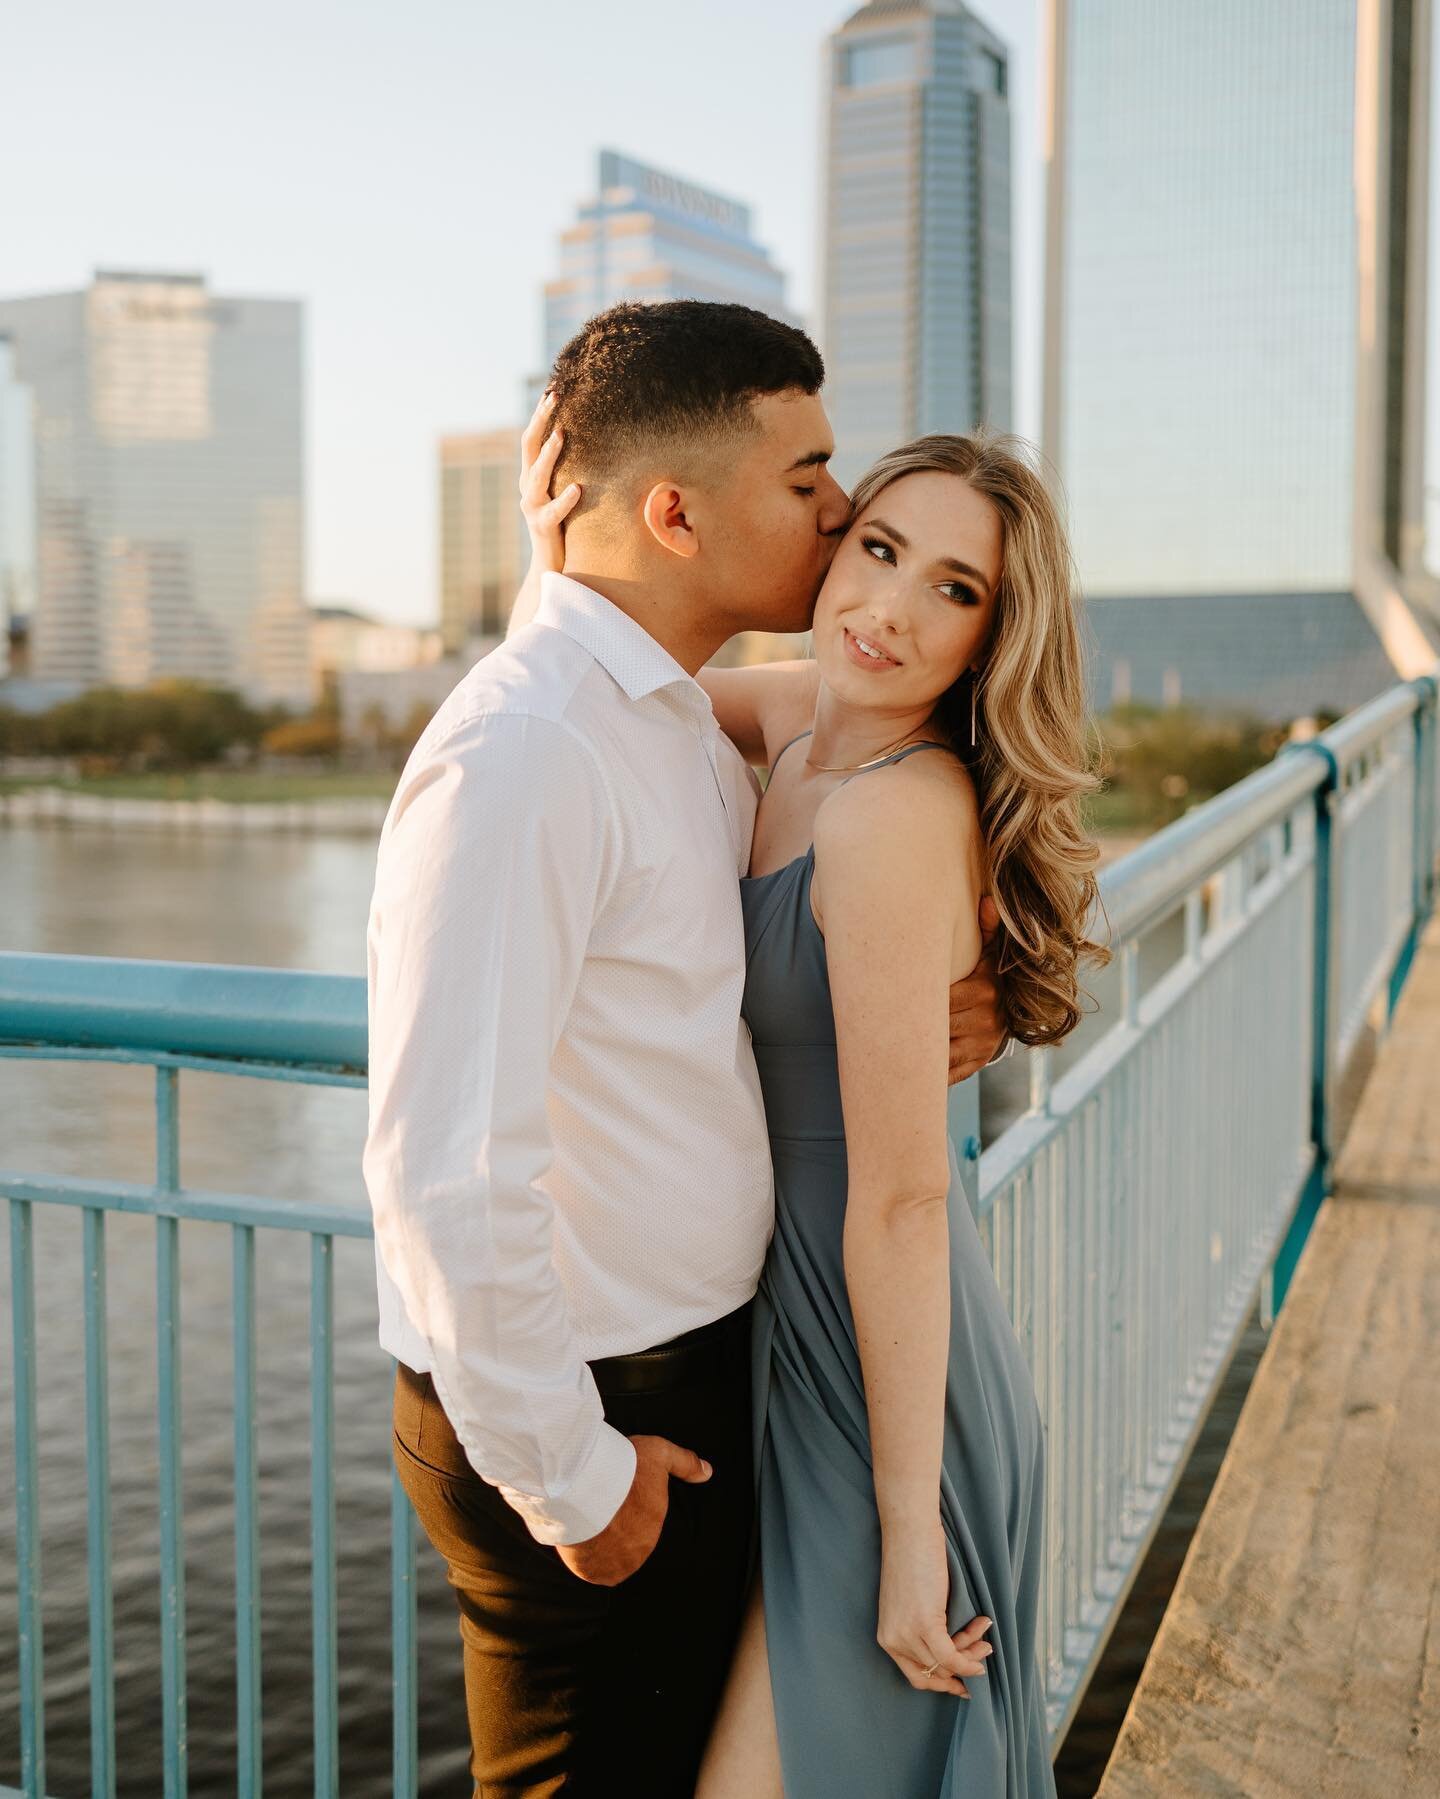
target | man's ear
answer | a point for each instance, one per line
(669, 523)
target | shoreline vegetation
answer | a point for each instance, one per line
(344, 801)
(184, 756)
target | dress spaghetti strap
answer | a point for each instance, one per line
(793, 741)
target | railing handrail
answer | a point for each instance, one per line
(195, 1009)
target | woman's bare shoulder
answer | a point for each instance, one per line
(902, 834)
(929, 792)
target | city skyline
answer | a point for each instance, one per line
(417, 225)
(421, 281)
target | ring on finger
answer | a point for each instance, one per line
(930, 1671)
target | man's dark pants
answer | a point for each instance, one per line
(582, 1690)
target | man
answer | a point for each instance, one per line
(567, 1155)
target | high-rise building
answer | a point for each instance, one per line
(169, 484)
(917, 262)
(1235, 321)
(483, 547)
(648, 235)
(17, 500)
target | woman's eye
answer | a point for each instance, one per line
(956, 590)
(872, 544)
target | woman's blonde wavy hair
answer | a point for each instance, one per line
(1032, 759)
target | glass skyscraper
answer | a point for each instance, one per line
(1235, 300)
(483, 547)
(169, 484)
(917, 258)
(648, 235)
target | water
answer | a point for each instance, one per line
(297, 903)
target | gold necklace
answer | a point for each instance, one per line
(854, 768)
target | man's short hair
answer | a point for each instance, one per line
(673, 379)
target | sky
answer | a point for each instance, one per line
(406, 170)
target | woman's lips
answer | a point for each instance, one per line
(862, 660)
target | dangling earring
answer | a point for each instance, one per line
(974, 683)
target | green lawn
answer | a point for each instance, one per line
(223, 784)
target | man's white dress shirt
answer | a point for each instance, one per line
(567, 1155)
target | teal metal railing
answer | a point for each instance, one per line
(1166, 1169)
(236, 1021)
(1172, 1158)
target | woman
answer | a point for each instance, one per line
(933, 752)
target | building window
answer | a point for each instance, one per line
(875, 60)
(992, 72)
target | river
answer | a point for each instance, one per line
(297, 903)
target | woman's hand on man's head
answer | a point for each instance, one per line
(540, 448)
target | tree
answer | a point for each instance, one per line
(316, 736)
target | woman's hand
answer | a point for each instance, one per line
(914, 1592)
(544, 517)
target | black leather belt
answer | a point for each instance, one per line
(706, 1353)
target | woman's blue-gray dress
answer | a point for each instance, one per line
(850, 1725)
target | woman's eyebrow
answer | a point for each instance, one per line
(903, 542)
(964, 568)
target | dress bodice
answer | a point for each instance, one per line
(787, 1003)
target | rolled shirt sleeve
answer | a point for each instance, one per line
(495, 860)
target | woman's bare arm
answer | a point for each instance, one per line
(897, 886)
(761, 708)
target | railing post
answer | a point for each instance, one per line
(1324, 990)
(1427, 793)
(174, 1702)
(27, 1504)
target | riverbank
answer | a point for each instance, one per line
(208, 800)
(57, 806)
(327, 802)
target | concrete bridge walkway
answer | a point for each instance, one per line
(1300, 1653)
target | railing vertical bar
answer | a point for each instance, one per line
(249, 1759)
(172, 1545)
(97, 1508)
(324, 1633)
(404, 1662)
(27, 1503)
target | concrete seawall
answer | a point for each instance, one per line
(346, 815)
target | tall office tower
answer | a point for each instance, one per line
(917, 278)
(483, 547)
(170, 489)
(648, 235)
(17, 500)
(1235, 317)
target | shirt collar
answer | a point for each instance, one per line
(625, 650)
